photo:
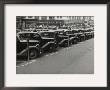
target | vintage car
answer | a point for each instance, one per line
(28, 44)
(89, 34)
(92, 34)
(49, 40)
(81, 35)
(72, 36)
(63, 40)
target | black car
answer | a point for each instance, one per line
(62, 38)
(89, 34)
(92, 34)
(49, 40)
(81, 35)
(72, 36)
(28, 42)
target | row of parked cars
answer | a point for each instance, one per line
(34, 44)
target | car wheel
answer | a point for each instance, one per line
(50, 48)
(75, 41)
(33, 53)
(66, 44)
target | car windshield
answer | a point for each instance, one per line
(30, 36)
(47, 34)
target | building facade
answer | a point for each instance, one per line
(27, 22)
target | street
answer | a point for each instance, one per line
(77, 59)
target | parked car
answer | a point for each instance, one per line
(28, 42)
(62, 38)
(89, 34)
(91, 31)
(81, 35)
(72, 36)
(49, 40)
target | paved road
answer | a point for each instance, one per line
(77, 59)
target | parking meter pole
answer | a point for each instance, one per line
(28, 48)
(68, 41)
(57, 41)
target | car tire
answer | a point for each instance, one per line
(66, 44)
(33, 53)
(51, 48)
(75, 41)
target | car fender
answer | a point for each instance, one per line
(63, 41)
(25, 50)
(48, 43)
(72, 38)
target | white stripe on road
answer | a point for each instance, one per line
(27, 63)
(46, 55)
(53, 53)
(17, 66)
(22, 65)
(34, 61)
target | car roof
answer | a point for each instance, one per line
(27, 32)
(66, 30)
